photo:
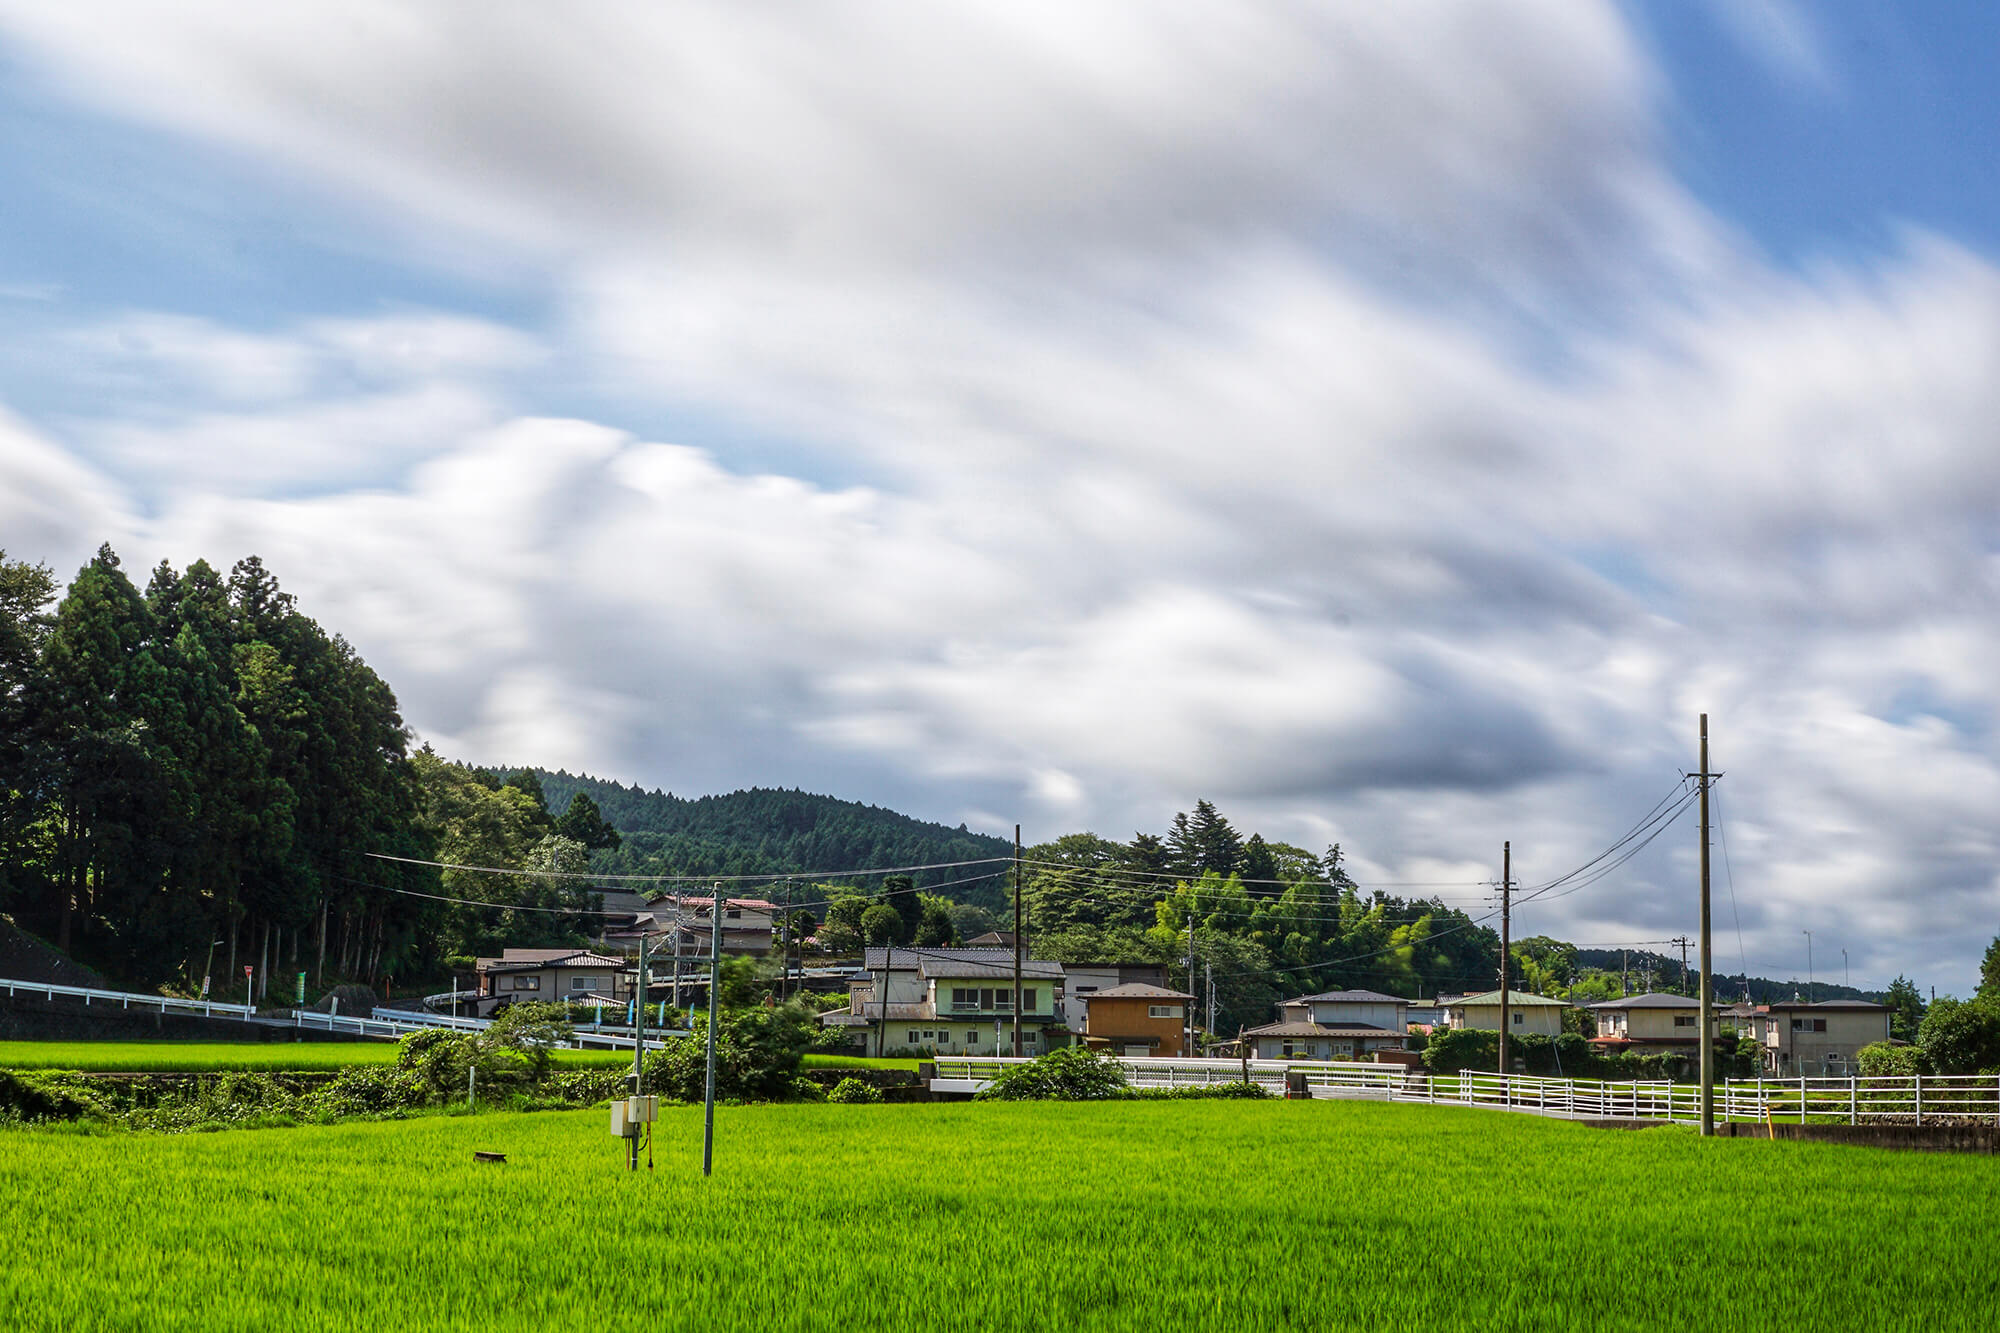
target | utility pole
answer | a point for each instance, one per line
(1624, 972)
(1506, 941)
(1809, 966)
(1187, 1044)
(1682, 940)
(1209, 969)
(638, 1053)
(714, 990)
(1707, 1015)
(677, 950)
(1017, 941)
(1846, 981)
(785, 943)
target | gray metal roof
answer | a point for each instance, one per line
(1650, 1000)
(1133, 990)
(980, 963)
(1347, 997)
(1317, 1030)
(1492, 999)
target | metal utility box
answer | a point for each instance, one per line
(628, 1113)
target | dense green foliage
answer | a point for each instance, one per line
(853, 1092)
(387, 1224)
(198, 762)
(1068, 1074)
(1962, 1036)
(758, 1053)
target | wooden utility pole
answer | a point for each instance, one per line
(1187, 1028)
(1506, 941)
(1682, 940)
(1707, 958)
(638, 1051)
(1017, 941)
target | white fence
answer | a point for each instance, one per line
(129, 999)
(1908, 1099)
(402, 1022)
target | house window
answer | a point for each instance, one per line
(964, 998)
(912, 1041)
(587, 983)
(929, 1036)
(1819, 1025)
(1684, 1020)
(527, 983)
(1517, 1019)
(1286, 1050)
(733, 914)
(1163, 1011)
(1001, 999)
(1027, 999)
(972, 1037)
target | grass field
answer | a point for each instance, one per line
(170, 1057)
(992, 1217)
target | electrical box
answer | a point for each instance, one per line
(628, 1113)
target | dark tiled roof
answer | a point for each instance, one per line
(982, 963)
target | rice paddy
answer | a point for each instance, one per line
(990, 1217)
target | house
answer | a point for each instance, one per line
(1527, 1014)
(1134, 1018)
(1082, 980)
(551, 974)
(748, 924)
(1332, 1025)
(1816, 1040)
(949, 1001)
(1653, 1021)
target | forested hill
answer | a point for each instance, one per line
(770, 831)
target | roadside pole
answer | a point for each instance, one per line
(1506, 945)
(1707, 958)
(714, 990)
(638, 1053)
(1017, 943)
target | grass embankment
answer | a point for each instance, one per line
(818, 1061)
(992, 1217)
(187, 1057)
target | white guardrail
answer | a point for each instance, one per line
(129, 999)
(402, 1022)
(1901, 1099)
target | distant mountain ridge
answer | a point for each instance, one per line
(774, 831)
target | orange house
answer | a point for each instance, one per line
(1136, 1019)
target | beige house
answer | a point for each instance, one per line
(1816, 1040)
(1526, 1014)
(551, 975)
(1332, 1025)
(949, 1002)
(1653, 1021)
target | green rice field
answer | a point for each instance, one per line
(173, 1057)
(986, 1216)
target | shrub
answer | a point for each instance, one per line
(1882, 1060)
(852, 1091)
(1233, 1090)
(1072, 1074)
(757, 1054)
(1453, 1049)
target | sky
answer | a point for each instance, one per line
(1395, 424)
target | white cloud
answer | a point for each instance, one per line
(1337, 413)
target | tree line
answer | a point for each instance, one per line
(187, 772)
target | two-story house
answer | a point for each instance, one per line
(1816, 1040)
(551, 974)
(1135, 1018)
(1332, 1025)
(948, 1001)
(1083, 980)
(1654, 1021)
(1526, 1014)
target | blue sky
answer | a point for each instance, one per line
(1392, 423)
